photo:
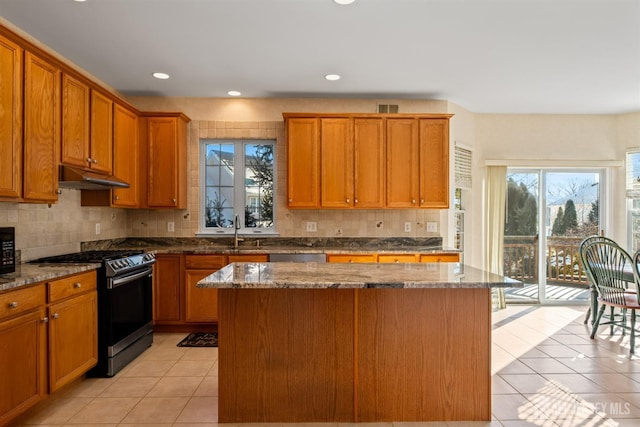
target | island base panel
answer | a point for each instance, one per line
(354, 355)
(285, 355)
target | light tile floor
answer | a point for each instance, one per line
(546, 372)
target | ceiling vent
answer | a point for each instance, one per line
(388, 108)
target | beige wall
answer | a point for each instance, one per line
(43, 230)
(547, 140)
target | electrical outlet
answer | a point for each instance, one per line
(113, 216)
(407, 227)
(312, 226)
(338, 231)
(380, 224)
(432, 227)
(97, 228)
(171, 227)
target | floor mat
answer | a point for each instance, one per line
(200, 339)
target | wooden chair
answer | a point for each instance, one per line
(612, 268)
(593, 306)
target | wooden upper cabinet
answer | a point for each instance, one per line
(336, 152)
(167, 161)
(41, 129)
(10, 120)
(303, 162)
(369, 163)
(402, 163)
(75, 122)
(434, 163)
(125, 156)
(87, 126)
(101, 147)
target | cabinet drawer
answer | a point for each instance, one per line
(72, 285)
(205, 261)
(248, 258)
(440, 258)
(397, 258)
(21, 300)
(351, 258)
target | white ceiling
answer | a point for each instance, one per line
(489, 56)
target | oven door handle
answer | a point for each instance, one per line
(114, 283)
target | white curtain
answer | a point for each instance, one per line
(495, 193)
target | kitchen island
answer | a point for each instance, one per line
(317, 342)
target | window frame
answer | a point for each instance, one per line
(239, 188)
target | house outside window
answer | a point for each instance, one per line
(237, 181)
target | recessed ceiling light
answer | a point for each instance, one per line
(234, 93)
(343, 2)
(161, 76)
(332, 77)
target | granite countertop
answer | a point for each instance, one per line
(27, 274)
(271, 245)
(329, 275)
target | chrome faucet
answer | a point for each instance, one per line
(236, 239)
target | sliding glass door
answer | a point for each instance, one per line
(548, 213)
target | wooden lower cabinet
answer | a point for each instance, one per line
(73, 328)
(395, 258)
(40, 344)
(73, 339)
(167, 289)
(179, 305)
(23, 359)
(201, 303)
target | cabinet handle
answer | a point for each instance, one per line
(55, 315)
(45, 320)
(59, 191)
(117, 197)
(95, 161)
(290, 200)
(77, 285)
(13, 304)
(396, 261)
(355, 201)
(88, 159)
(174, 201)
(413, 201)
(422, 201)
(347, 200)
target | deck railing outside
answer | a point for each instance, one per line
(563, 260)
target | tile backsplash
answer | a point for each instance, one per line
(43, 230)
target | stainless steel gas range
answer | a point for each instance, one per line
(125, 315)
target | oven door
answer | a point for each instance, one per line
(127, 309)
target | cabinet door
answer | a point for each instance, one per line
(167, 163)
(303, 163)
(167, 282)
(10, 120)
(101, 133)
(402, 163)
(73, 339)
(41, 129)
(75, 123)
(434, 163)
(369, 172)
(336, 154)
(201, 303)
(23, 356)
(125, 156)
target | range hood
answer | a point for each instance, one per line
(79, 179)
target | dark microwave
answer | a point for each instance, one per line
(7, 250)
